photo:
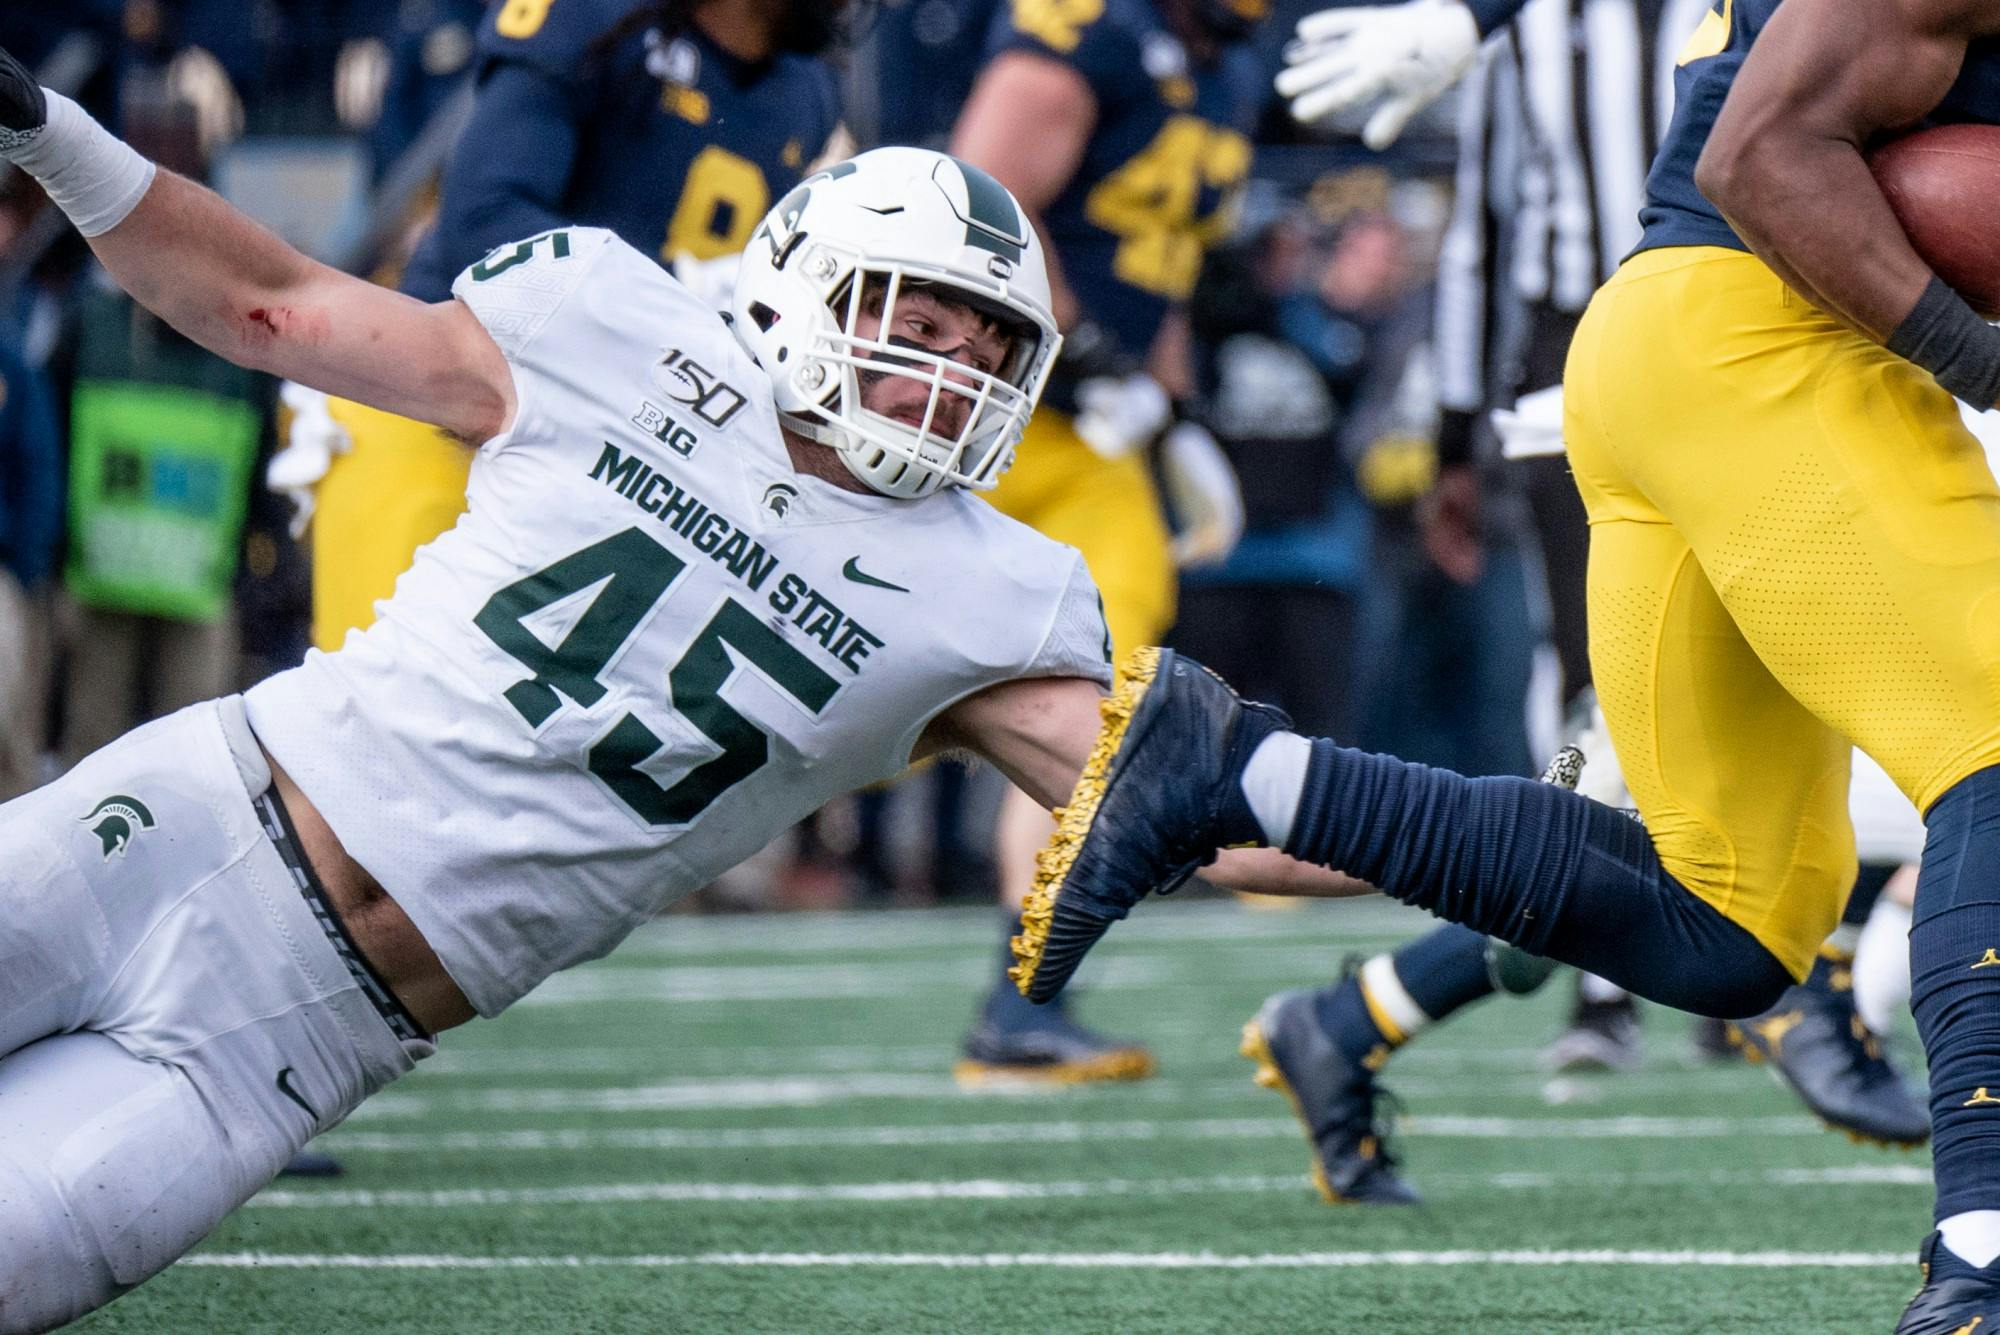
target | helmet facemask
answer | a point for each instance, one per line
(908, 419)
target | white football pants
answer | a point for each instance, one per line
(174, 1023)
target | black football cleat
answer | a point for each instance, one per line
(311, 1163)
(1603, 1036)
(1816, 1043)
(1956, 1298)
(1158, 796)
(1047, 1048)
(1336, 1099)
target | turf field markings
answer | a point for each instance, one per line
(1771, 1260)
(991, 1189)
(1207, 923)
(1055, 1132)
(745, 1091)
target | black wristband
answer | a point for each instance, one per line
(1946, 337)
(1090, 350)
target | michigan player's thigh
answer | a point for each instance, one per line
(1846, 517)
(110, 1168)
(401, 485)
(1742, 788)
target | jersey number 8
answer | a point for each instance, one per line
(522, 18)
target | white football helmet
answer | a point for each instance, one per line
(872, 229)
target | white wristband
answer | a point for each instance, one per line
(93, 176)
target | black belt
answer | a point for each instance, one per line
(285, 838)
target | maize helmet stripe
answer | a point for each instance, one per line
(995, 223)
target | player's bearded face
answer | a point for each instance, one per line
(926, 322)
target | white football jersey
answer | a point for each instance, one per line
(650, 644)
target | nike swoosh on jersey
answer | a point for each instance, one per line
(285, 1088)
(854, 572)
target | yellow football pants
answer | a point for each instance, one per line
(1795, 543)
(401, 485)
(1105, 508)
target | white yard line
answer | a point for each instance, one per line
(1335, 926)
(988, 1189)
(1058, 1260)
(1054, 1132)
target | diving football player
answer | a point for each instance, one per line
(712, 574)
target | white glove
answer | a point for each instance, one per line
(310, 444)
(1407, 55)
(1533, 427)
(1117, 414)
(1202, 493)
(713, 282)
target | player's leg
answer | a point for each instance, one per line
(111, 1167)
(1323, 1048)
(1858, 548)
(401, 484)
(174, 1018)
(1108, 510)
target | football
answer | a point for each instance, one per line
(1942, 183)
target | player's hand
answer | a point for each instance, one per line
(311, 441)
(713, 282)
(1203, 494)
(1117, 414)
(1405, 55)
(24, 108)
(1449, 524)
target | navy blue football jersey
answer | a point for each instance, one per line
(676, 146)
(1163, 166)
(1676, 213)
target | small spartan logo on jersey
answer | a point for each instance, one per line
(778, 499)
(117, 821)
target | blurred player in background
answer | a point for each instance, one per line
(1558, 120)
(1123, 128)
(675, 125)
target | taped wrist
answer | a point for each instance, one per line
(1947, 337)
(94, 177)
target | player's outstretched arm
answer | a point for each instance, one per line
(1784, 165)
(241, 292)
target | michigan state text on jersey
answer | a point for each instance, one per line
(630, 664)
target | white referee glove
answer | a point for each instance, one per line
(1117, 414)
(713, 282)
(1203, 494)
(1406, 55)
(310, 444)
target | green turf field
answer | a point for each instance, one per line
(749, 1125)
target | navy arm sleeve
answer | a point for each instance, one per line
(508, 175)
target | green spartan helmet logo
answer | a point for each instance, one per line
(116, 821)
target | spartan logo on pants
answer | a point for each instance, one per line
(117, 821)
